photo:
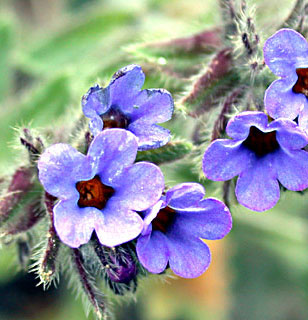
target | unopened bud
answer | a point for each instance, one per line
(20, 185)
(122, 268)
(119, 265)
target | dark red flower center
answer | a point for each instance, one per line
(114, 119)
(260, 142)
(93, 193)
(164, 219)
(301, 85)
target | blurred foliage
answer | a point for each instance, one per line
(50, 53)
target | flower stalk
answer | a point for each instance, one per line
(47, 268)
(95, 297)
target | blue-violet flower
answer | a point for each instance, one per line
(100, 191)
(173, 228)
(260, 154)
(286, 54)
(122, 104)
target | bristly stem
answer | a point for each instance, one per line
(29, 146)
(24, 252)
(229, 17)
(100, 252)
(34, 145)
(47, 268)
(89, 289)
(172, 151)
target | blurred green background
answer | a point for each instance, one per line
(51, 51)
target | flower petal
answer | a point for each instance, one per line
(150, 215)
(96, 125)
(111, 151)
(292, 169)
(238, 127)
(150, 136)
(140, 186)
(184, 196)
(152, 251)
(225, 159)
(289, 135)
(212, 220)
(125, 86)
(153, 106)
(257, 187)
(117, 224)
(189, 256)
(74, 225)
(96, 101)
(303, 118)
(281, 101)
(60, 167)
(285, 51)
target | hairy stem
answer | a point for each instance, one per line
(94, 297)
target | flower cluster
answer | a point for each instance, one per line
(264, 152)
(105, 200)
(106, 195)
(94, 202)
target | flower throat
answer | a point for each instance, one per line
(93, 193)
(261, 143)
(114, 119)
(301, 85)
(163, 219)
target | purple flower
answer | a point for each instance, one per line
(100, 191)
(286, 54)
(173, 228)
(122, 104)
(260, 154)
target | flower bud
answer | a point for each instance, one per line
(119, 265)
(122, 267)
(20, 184)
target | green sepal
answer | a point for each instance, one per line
(172, 151)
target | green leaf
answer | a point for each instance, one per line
(76, 45)
(6, 43)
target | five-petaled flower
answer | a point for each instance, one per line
(173, 228)
(122, 104)
(100, 191)
(261, 154)
(286, 54)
